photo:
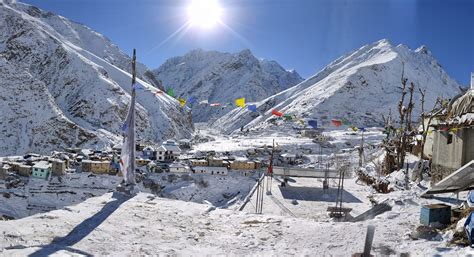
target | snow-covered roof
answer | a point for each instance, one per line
(288, 155)
(210, 168)
(463, 105)
(177, 165)
(42, 165)
(173, 148)
(96, 162)
(148, 148)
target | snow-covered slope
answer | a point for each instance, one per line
(359, 87)
(64, 85)
(223, 77)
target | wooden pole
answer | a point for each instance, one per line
(369, 238)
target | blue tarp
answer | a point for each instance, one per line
(469, 227)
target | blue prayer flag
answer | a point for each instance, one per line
(252, 107)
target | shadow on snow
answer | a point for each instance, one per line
(316, 194)
(83, 229)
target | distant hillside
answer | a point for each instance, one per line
(223, 77)
(359, 87)
(65, 85)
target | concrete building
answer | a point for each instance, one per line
(169, 151)
(96, 167)
(453, 139)
(41, 170)
(210, 170)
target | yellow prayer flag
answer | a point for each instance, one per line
(240, 102)
(454, 130)
(182, 102)
(354, 128)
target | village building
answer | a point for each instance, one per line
(184, 143)
(242, 165)
(58, 167)
(96, 167)
(24, 170)
(4, 170)
(199, 162)
(149, 153)
(169, 151)
(142, 162)
(288, 158)
(453, 139)
(210, 170)
(178, 167)
(41, 170)
(217, 162)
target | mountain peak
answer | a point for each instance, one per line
(222, 77)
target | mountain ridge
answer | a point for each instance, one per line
(221, 77)
(354, 81)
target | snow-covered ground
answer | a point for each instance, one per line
(204, 221)
(146, 225)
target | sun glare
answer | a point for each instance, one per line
(204, 13)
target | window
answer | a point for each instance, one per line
(450, 138)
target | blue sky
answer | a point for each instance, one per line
(304, 35)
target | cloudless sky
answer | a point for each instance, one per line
(305, 35)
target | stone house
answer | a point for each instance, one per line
(96, 167)
(453, 138)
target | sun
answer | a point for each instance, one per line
(204, 13)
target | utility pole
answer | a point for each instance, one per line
(270, 171)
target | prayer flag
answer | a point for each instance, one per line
(191, 100)
(313, 123)
(354, 128)
(204, 102)
(336, 123)
(170, 92)
(345, 122)
(182, 102)
(240, 102)
(252, 107)
(215, 104)
(277, 113)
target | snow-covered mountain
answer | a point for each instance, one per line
(223, 77)
(359, 87)
(64, 85)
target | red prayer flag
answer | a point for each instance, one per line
(215, 104)
(277, 113)
(336, 123)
